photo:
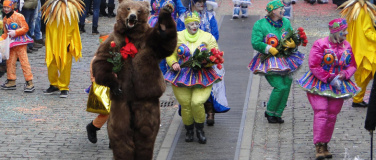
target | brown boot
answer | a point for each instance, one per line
(326, 151)
(29, 87)
(9, 85)
(209, 109)
(320, 151)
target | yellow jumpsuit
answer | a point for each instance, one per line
(362, 37)
(62, 42)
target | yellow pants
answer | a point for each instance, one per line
(363, 85)
(192, 103)
(60, 78)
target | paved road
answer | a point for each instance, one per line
(37, 126)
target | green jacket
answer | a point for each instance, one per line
(261, 28)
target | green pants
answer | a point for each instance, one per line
(192, 103)
(280, 94)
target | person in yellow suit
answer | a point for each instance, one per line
(191, 87)
(360, 15)
(63, 41)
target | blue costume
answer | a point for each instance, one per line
(156, 5)
(208, 23)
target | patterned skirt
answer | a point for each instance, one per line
(20, 40)
(188, 77)
(313, 85)
(276, 65)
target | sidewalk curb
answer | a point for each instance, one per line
(168, 142)
(246, 144)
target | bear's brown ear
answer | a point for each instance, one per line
(146, 4)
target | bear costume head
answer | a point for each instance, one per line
(131, 15)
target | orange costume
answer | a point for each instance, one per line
(16, 21)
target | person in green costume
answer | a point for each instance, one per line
(265, 36)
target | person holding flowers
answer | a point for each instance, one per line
(331, 64)
(192, 75)
(277, 56)
(217, 102)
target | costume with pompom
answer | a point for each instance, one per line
(16, 22)
(192, 87)
(328, 83)
(361, 18)
(265, 34)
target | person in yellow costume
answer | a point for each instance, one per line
(361, 17)
(63, 41)
(192, 87)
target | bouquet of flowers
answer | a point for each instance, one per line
(298, 36)
(201, 57)
(115, 59)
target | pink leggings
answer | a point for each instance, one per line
(325, 115)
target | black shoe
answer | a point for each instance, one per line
(37, 45)
(190, 133)
(111, 15)
(82, 28)
(40, 41)
(92, 132)
(361, 104)
(210, 119)
(280, 120)
(272, 119)
(29, 50)
(200, 133)
(103, 14)
(50, 90)
(94, 31)
(64, 94)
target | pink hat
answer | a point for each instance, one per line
(337, 25)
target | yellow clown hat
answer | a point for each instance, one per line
(191, 17)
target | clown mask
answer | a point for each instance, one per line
(199, 6)
(278, 13)
(192, 27)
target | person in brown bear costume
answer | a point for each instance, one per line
(135, 89)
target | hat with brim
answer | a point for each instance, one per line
(274, 5)
(337, 25)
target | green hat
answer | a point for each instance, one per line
(274, 5)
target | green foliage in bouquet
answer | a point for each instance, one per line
(116, 61)
(197, 60)
(298, 36)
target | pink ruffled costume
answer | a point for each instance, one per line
(327, 102)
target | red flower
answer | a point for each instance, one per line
(221, 54)
(222, 60)
(300, 29)
(304, 37)
(212, 58)
(219, 66)
(128, 50)
(216, 61)
(113, 44)
(305, 41)
(304, 44)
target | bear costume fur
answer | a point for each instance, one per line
(135, 90)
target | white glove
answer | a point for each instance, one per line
(12, 33)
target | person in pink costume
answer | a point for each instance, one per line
(331, 64)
